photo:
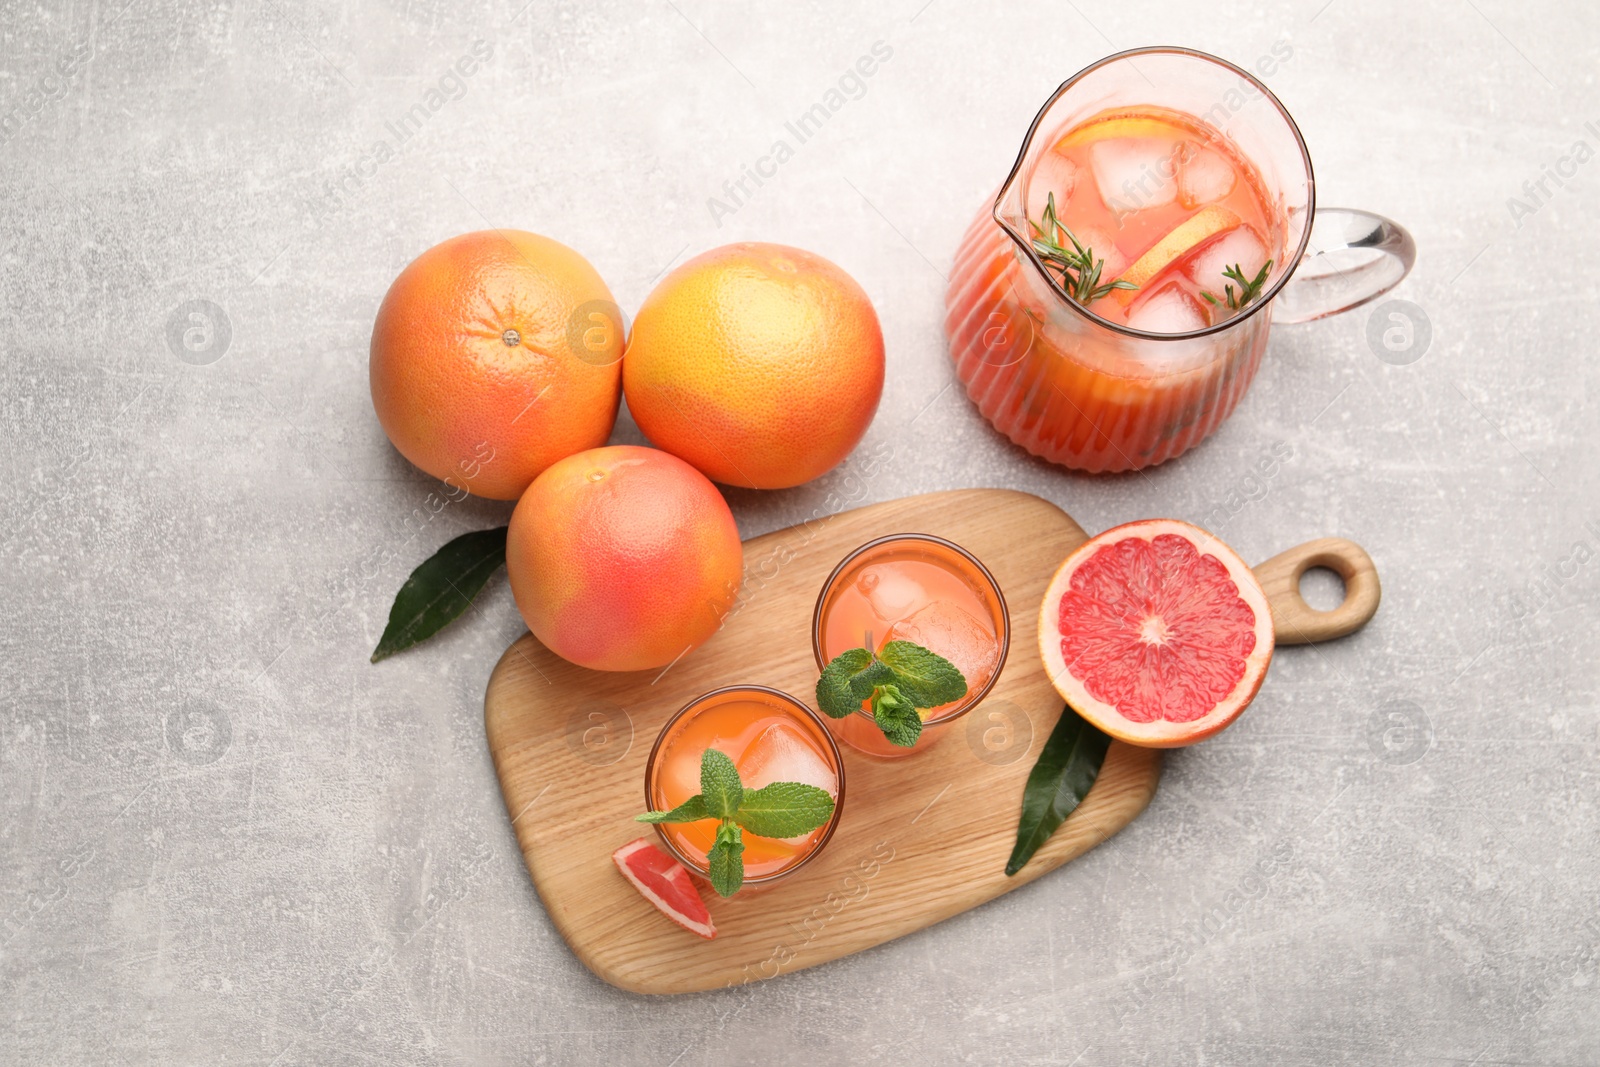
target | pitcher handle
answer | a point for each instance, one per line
(1353, 257)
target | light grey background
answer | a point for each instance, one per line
(226, 838)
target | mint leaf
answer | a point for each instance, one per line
(1067, 767)
(440, 589)
(847, 681)
(896, 716)
(691, 810)
(784, 809)
(719, 784)
(834, 698)
(925, 678)
(901, 678)
(873, 675)
(726, 859)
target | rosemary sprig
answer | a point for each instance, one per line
(1249, 289)
(1080, 270)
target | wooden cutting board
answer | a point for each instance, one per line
(919, 840)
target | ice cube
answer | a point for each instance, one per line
(680, 774)
(781, 753)
(1053, 174)
(1103, 246)
(1133, 173)
(1168, 310)
(891, 593)
(955, 634)
(1204, 179)
(1240, 245)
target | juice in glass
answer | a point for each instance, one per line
(918, 588)
(771, 737)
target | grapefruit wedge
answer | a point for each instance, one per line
(1156, 632)
(665, 882)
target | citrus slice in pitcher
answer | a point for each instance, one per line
(1191, 232)
(1121, 125)
(1156, 632)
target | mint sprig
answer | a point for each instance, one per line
(779, 809)
(901, 678)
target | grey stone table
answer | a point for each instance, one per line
(226, 838)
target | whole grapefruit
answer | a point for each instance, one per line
(759, 364)
(495, 354)
(623, 558)
(1156, 632)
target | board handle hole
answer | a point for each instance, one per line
(1321, 588)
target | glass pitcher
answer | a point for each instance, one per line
(1076, 388)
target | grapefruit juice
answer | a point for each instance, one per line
(1165, 202)
(771, 737)
(1168, 203)
(922, 589)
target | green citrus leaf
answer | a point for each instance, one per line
(726, 859)
(1067, 767)
(784, 809)
(691, 810)
(440, 589)
(926, 678)
(896, 716)
(720, 790)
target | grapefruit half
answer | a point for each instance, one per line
(1156, 632)
(665, 882)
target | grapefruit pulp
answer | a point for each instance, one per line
(664, 882)
(1156, 632)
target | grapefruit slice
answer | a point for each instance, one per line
(1197, 228)
(1156, 632)
(664, 882)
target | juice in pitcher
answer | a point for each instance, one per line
(1156, 224)
(1109, 309)
(1103, 312)
(1173, 221)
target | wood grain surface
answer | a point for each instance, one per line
(920, 839)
